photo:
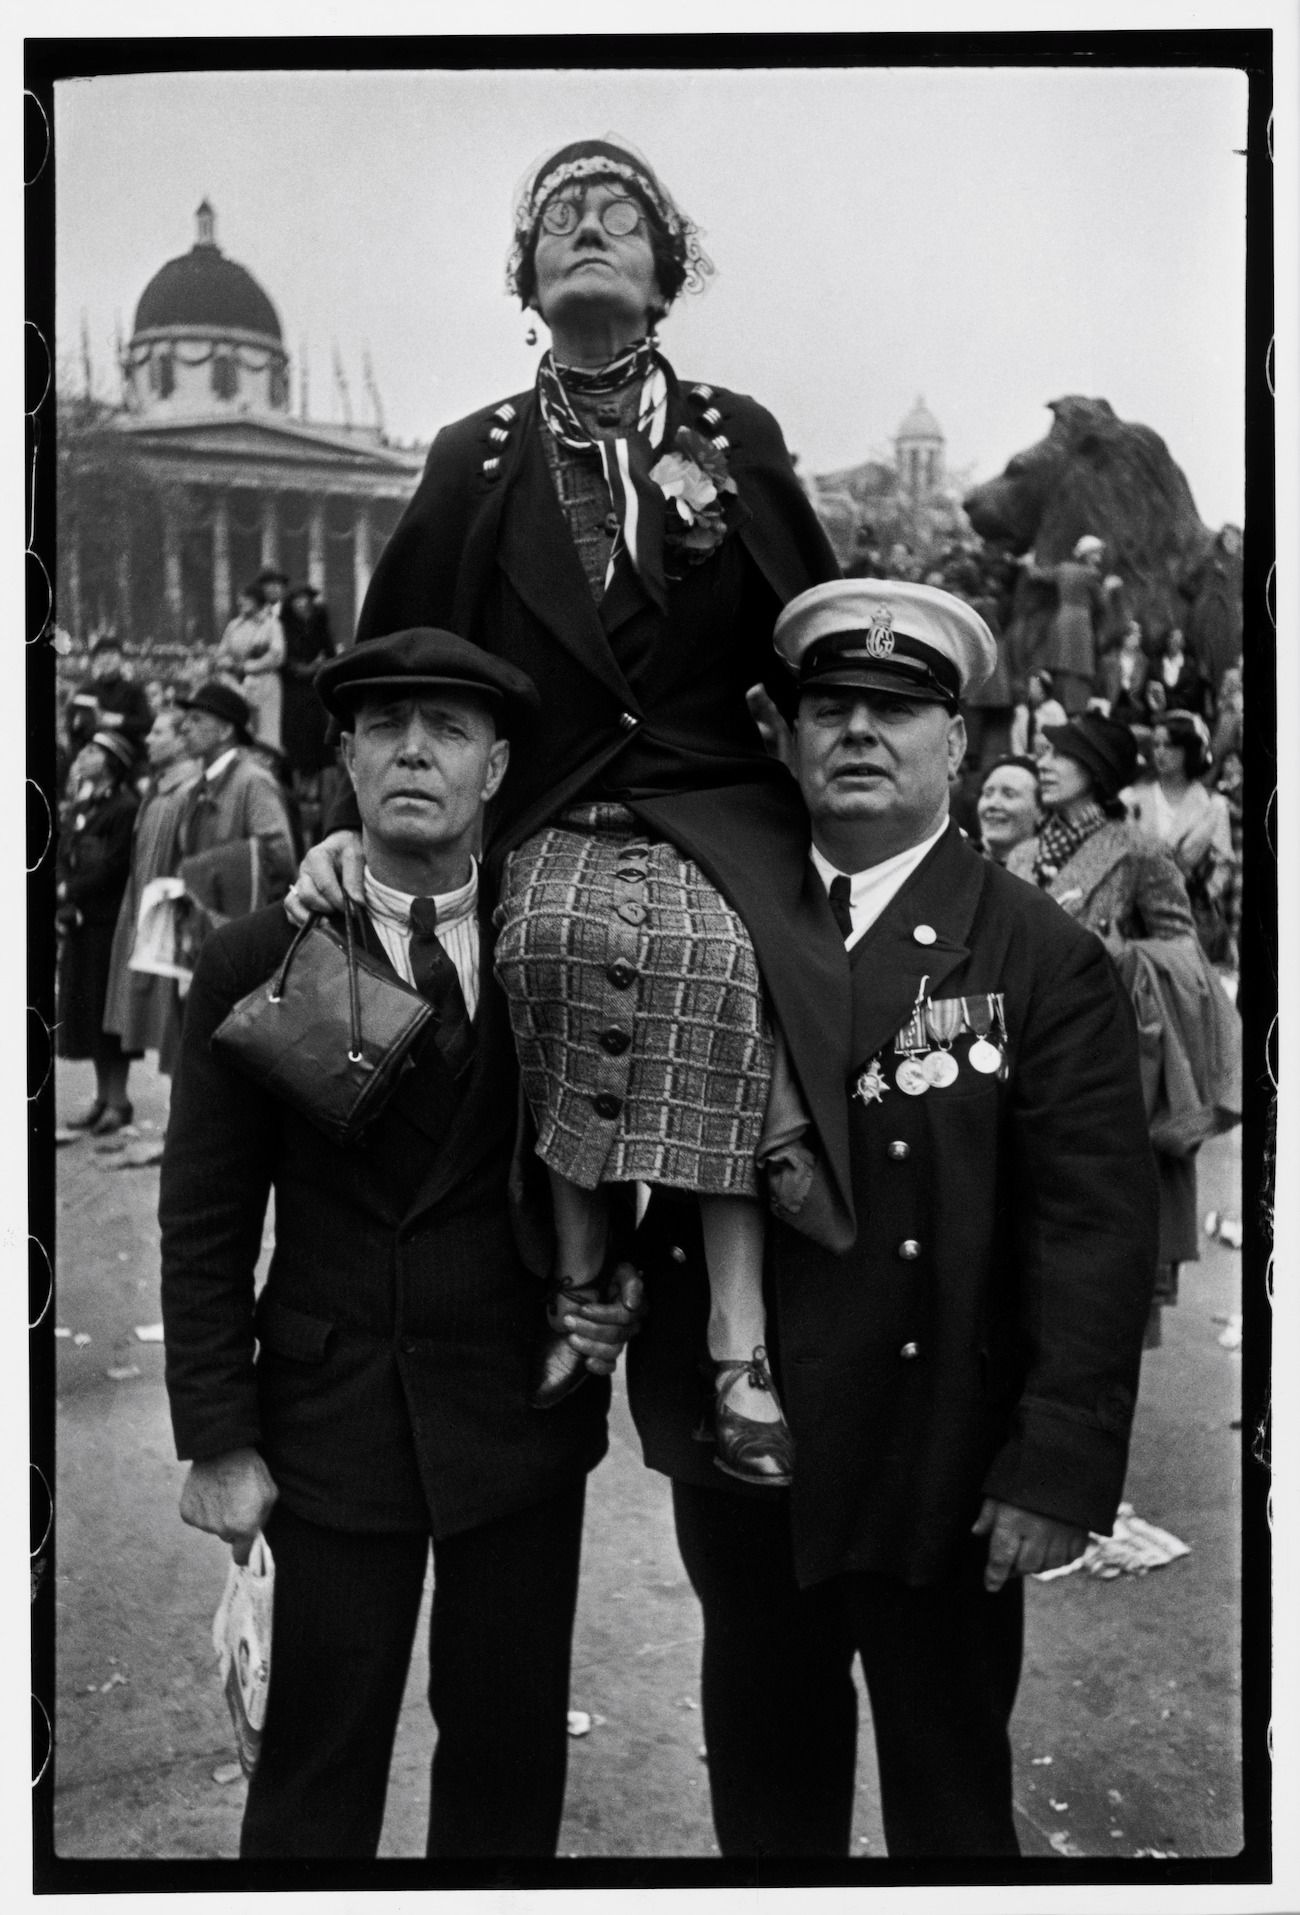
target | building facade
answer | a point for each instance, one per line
(215, 476)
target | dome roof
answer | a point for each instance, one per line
(920, 423)
(203, 289)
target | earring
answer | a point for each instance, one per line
(530, 337)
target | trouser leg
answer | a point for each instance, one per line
(346, 1607)
(779, 1705)
(501, 1635)
(942, 1664)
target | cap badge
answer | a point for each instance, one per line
(880, 639)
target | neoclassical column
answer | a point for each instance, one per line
(270, 529)
(221, 598)
(124, 581)
(363, 563)
(316, 545)
(172, 587)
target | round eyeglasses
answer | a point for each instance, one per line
(619, 217)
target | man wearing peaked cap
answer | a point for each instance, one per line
(386, 1408)
(960, 1384)
(887, 635)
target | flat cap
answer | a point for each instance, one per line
(889, 635)
(424, 658)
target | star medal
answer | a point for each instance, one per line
(910, 1075)
(943, 1018)
(871, 1085)
(982, 1056)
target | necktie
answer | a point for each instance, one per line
(840, 909)
(435, 978)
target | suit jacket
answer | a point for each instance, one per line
(638, 705)
(983, 1335)
(1110, 685)
(388, 1391)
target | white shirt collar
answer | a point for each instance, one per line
(394, 907)
(218, 765)
(875, 887)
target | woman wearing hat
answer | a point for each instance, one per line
(1193, 824)
(1110, 875)
(92, 868)
(628, 540)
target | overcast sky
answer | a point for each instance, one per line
(989, 239)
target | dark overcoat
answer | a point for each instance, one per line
(93, 864)
(639, 705)
(395, 1327)
(983, 1336)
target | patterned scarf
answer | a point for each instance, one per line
(625, 460)
(1061, 837)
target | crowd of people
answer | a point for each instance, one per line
(912, 1109)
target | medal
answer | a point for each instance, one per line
(911, 1076)
(940, 1068)
(871, 1085)
(943, 1018)
(982, 1056)
(1002, 1031)
(911, 1073)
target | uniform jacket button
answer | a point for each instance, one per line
(615, 1041)
(910, 1351)
(605, 1104)
(909, 1250)
(899, 1151)
(677, 1254)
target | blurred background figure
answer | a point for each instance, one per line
(1040, 709)
(1122, 677)
(107, 700)
(304, 725)
(250, 655)
(1227, 735)
(92, 867)
(1178, 673)
(1009, 806)
(142, 1008)
(1191, 822)
(1077, 631)
(1118, 881)
(235, 839)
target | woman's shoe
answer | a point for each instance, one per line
(112, 1117)
(752, 1452)
(88, 1118)
(558, 1368)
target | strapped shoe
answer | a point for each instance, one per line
(751, 1451)
(113, 1117)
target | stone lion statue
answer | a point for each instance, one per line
(1095, 473)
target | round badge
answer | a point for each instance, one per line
(984, 1056)
(941, 1069)
(910, 1077)
(925, 934)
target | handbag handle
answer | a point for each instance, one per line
(354, 999)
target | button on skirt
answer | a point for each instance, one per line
(637, 1009)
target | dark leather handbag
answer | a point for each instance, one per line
(330, 1033)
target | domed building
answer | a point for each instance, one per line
(224, 478)
(918, 450)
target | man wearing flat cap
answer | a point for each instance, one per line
(387, 1402)
(960, 1384)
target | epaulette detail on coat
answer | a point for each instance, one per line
(711, 417)
(498, 425)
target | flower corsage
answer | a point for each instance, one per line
(694, 480)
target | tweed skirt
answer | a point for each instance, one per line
(637, 1009)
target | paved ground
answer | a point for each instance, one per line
(1127, 1728)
